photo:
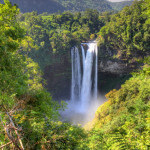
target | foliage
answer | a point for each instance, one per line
(128, 32)
(28, 116)
(75, 5)
(124, 119)
(49, 38)
(23, 99)
(56, 34)
(63, 136)
(120, 5)
(56, 6)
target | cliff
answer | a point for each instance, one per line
(112, 61)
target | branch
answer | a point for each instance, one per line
(5, 145)
(18, 136)
(10, 126)
(11, 138)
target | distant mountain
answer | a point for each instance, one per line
(81, 5)
(52, 6)
(120, 5)
(40, 6)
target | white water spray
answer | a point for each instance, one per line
(84, 91)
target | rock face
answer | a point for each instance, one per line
(108, 63)
(113, 71)
(116, 67)
(112, 67)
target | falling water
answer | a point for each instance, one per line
(96, 73)
(86, 89)
(76, 75)
(84, 101)
(83, 56)
(84, 85)
(84, 92)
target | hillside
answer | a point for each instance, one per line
(123, 121)
(49, 6)
(54, 6)
(76, 5)
(119, 5)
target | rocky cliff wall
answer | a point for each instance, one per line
(111, 62)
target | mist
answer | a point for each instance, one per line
(76, 115)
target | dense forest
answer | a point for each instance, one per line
(57, 6)
(119, 5)
(31, 43)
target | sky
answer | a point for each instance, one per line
(118, 0)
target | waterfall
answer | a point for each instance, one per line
(96, 73)
(76, 74)
(83, 56)
(88, 89)
(86, 79)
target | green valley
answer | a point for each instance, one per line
(39, 61)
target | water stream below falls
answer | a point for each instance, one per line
(84, 93)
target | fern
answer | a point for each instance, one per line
(116, 141)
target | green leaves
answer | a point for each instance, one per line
(10, 31)
(7, 101)
(124, 119)
(127, 32)
(21, 91)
